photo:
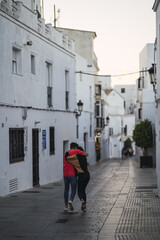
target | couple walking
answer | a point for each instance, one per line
(75, 170)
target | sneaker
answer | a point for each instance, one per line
(66, 208)
(83, 207)
(71, 206)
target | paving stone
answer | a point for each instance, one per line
(122, 204)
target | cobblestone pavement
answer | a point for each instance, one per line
(122, 204)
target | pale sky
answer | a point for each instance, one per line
(123, 28)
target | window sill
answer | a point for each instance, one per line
(16, 160)
(18, 74)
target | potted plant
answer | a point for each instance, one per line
(143, 137)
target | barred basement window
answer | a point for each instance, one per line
(16, 145)
(52, 142)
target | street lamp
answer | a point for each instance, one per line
(107, 121)
(152, 73)
(80, 108)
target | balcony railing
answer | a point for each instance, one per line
(100, 122)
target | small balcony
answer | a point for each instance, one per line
(99, 122)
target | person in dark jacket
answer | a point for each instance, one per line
(70, 178)
(80, 163)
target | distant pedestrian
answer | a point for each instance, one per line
(80, 163)
(70, 179)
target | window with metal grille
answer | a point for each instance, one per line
(98, 109)
(16, 145)
(49, 96)
(52, 140)
(49, 83)
(67, 89)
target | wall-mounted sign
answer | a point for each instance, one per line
(44, 139)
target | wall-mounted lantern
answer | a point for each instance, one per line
(107, 121)
(80, 108)
(152, 74)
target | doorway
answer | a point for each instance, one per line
(65, 146)
(35, 156)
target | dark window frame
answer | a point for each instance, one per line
(16, 145)
(33, 64)
(123, 90)
(52, 140)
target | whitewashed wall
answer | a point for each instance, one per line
(85, 90)
(128, 95)
(156, 8)
(30, 91)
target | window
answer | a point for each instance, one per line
(140, 113)
(49, 84)
(16, 61)
(67, 89)
(122, 90)
(98, 109)
(16, 145)
(140, 83)
(110, 131)
(99, 122)
(33, 69)
(122, 130)
(77, 129)
(90, 96)
(52, 142)
(101, 109)
(90, 130)
(98, 90)
(125, 130)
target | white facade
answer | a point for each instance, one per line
(34, 58)
(156, 8)
(146, 107)
(85, 92)
(118, 122)
(128, 93)
(86, 62)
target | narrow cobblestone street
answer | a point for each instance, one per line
(122, 204)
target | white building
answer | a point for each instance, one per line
(145, 99)
(37, 98)
(128, 93)
(120, 125)
(156, 8)
(86, 69)
(102, 117)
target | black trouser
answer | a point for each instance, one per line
(83, 179)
